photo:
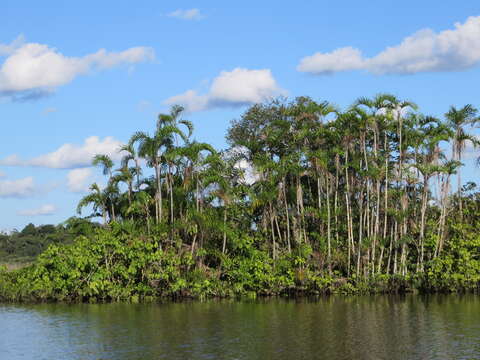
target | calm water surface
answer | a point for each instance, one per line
(382, 327)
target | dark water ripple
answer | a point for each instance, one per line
(380, 327)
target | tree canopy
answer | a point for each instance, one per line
(314, 193)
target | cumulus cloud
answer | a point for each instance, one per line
(32, 69)
(191, 100)
(242, 156)
(250, 175)
(17, 188)
(424, 51)
(230, 89)
(6, 49)
(70, 156)
(47, 209)
(471, 151)
(342, 59)
(77, 179)
(11, 160)
(189, 14)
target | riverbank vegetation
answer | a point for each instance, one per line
(308, 199)
(20, 248)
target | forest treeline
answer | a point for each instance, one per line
(22, 247)
(307, 199)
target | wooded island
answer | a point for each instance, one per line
(308, 199)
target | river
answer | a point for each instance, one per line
(374, 327)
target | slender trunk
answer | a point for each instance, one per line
(445, 191)
(137, 166)
(197, 196)
(275, 218)
(380, 259)
(130, 193)
(158, 196)
(300, 211)
(104, 214)
(395, 248)
(224, 246)
(329, 240)
(459, 185)
(194, 240)
(335, 210)
(274, 254)
(377, 226)
(385, 205)
(172, 218)
(360, 234)
(112, 207)
(286, 214)
(422, 221)
(148, 220)
(348, 236)
(349, 215)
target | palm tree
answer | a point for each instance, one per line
(125, 175)
(97, 199)
(448, 169)
(174, 118)
(131, 155)
(431, 133)
(141, 206)
(458, 119)
(218, 174)
(105, 162)
(193, 154)
(153, 148)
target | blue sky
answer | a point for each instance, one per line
(58, 87)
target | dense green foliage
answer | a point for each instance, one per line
(307, 200)
(25, 245)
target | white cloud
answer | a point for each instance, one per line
(77, 179)
(32, 69)
(189, 14)
(17, 188)
(2, 174)
(470, 151)
(232, 88)
(11, 160)
(424, 51)
(242, 155)
(191, 100)
(341, 59)
(47, 209)
(70, 156)
(250, 175)
(6, 49)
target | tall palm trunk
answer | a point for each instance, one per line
(349, 214)
(360, 234)
(422, 221)
(137, 166)
(224, 245)
(329, 240)
(158, 196)
(286, 214)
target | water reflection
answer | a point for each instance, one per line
(380, 327)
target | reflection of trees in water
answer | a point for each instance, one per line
(376, 327)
